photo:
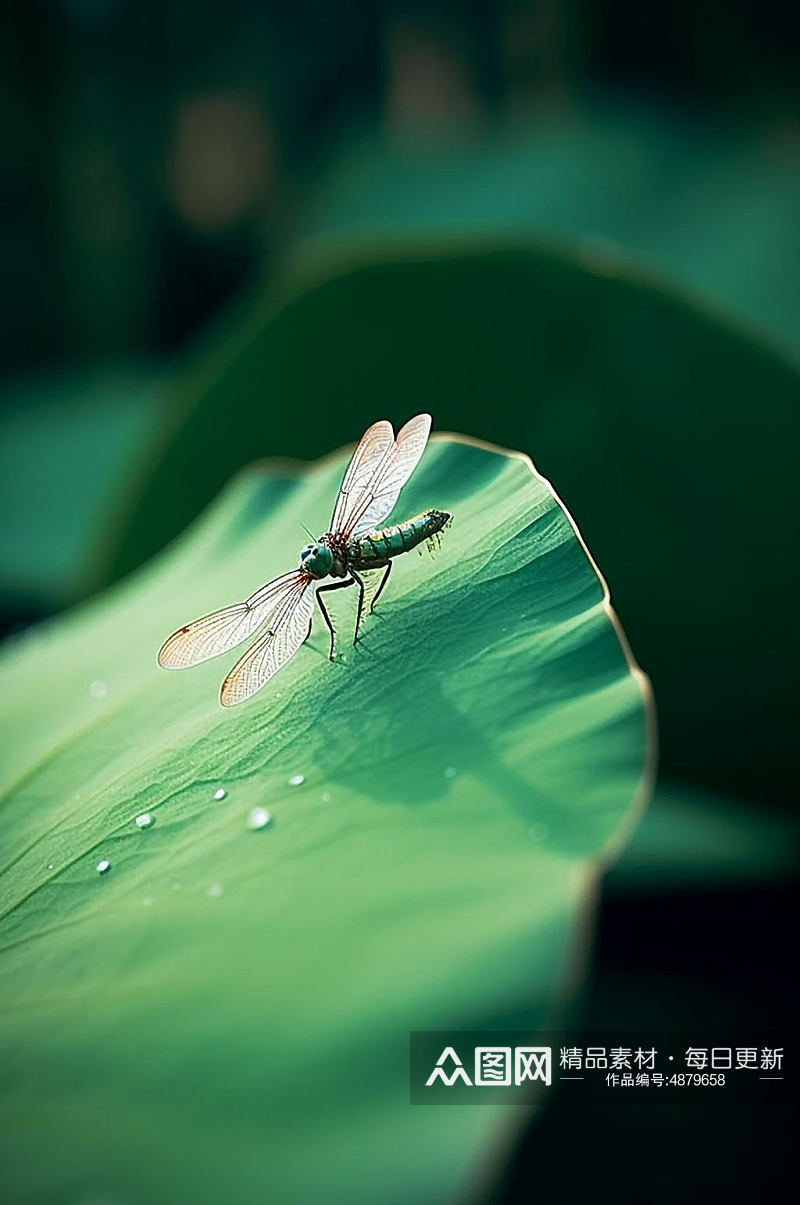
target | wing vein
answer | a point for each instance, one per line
(379, 469)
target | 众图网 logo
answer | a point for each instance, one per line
(493, 1067)
(501, 1066)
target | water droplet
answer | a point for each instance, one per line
(50, 865)
(537, 832)
(220, 793)
(259, 818)
(98, 689)
(104, 866)
(450, 772)
(147, 901)
(326, 796)
(215, 891)
(146, 820)
(297, 780)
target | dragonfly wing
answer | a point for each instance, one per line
(376, 442)
(288, 628)
(223, 630)
(390, 476)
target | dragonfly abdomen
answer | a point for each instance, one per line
(376, 548)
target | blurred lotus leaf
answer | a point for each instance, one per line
(670, 432)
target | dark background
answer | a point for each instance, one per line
(164, 166)
(157, 157)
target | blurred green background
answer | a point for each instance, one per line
(568, 227)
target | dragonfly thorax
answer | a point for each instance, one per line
(316, 559)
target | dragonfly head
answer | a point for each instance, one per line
(316, 559)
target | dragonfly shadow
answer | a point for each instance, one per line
(441, 701)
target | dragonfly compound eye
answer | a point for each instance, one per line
(316, 559)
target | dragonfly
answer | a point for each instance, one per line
(280, 613)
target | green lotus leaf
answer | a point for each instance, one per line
(669, 431)
(224, 1014)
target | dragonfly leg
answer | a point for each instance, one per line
(360, 583)
(379, 591)
(331, 586)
